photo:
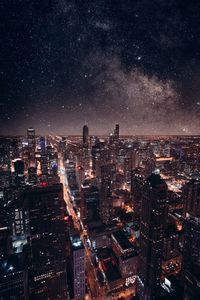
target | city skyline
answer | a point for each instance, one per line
(100, 150)
(67, 62)
(87, 217)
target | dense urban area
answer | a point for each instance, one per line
(108, 217)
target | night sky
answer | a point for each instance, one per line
(132, 62)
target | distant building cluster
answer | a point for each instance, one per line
(108, 217)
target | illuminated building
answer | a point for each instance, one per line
(62, 146)
(14, 148)
(31, 146)
(13, 278)
(44, 207)
(109, 266)
(137, 183)
(42, 144)
(83, 158)
(171, 244)
(172, 258)
(93, 140)
(89, 203)
(85, 136)
(52, 159)
(106, 207)
(7, 195)
(149, 165)
(80, 175)
(116, 132)
(49, 161)
(53, 163)
(97, 150)
(32, 175)
(191, 261)
(191, 248)
(5, 179)
(166, 150)
(99, 235)
(126, 253)
(100, 156)
(152, 227)
(108, 174)
(77, 266)
(13, 270)
(130, 161)
(31, 138)
(191, 195)
(44, 164)
(5, 158)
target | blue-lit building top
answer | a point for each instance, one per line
(76, 242)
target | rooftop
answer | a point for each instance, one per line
(156, 180)
(122, 240)
(109, 264)
(76, 242)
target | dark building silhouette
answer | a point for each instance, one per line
(13, 269)
(108, 177)
(31, 146)
(89, 203)
(85, 136)
(19, 167)
(116, 132)
(18, 172)
(137, 183)
(191, 249)
(32, 175)
(45, 211)
(152, 227)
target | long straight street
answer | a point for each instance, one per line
(97, 292)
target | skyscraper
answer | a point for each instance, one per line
(77, 266)
(42, 143)
(19, 171)
(13, 270)
(108, 174)
(89, 203)
(45, 207)
(191, 249)
(85, 136)
(116, 132)
(31, 137)
(153, 214)
(100, 157)
(191, 196)
(137, 184)
(31, 146)
(19, 167)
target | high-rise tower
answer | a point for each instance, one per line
(77, 266)
(31, 146)
(116, 132)
(153, 215)
(191, 249)
(44, 209)
(85, 136)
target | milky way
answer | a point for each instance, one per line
(64, 63)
